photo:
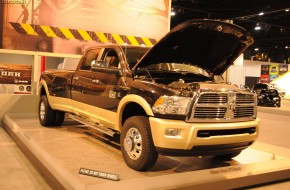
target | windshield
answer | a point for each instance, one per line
(134, 54)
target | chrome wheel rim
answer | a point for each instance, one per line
(42, 110)
(133, 143)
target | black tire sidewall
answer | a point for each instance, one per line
(58, 118)
(149, 154)
(48, 115)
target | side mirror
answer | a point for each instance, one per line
(98, 64)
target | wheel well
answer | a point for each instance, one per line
(132, 109)
(42, 91)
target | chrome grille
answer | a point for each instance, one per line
(223, 106)
(209, 112)
(212, 98)
(245, 99)
(243, 112)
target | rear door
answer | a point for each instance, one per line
(83, 85)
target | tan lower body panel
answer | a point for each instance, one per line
(105, 117)
(58, 103)
(188, 133)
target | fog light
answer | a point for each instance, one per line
(172, 132)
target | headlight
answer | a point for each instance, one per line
(171, 105)
(275, 98)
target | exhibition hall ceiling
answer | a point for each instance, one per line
(272, 16)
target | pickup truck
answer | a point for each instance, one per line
(160, 100)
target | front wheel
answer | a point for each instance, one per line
(137, 146)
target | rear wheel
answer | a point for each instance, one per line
(137, 145)
(47, 116)
(58, 118)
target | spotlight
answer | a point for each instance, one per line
(258, 27)
(172, 13)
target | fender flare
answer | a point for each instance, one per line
(42, 84)
(136, 99)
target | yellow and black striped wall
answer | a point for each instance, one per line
(66, 33)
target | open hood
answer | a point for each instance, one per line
(210, 45)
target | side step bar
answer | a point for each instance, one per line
(93, 125)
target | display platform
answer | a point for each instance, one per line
(60, 152)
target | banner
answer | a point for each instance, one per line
(70, 26)
(264, 69)
(283, 69)
(272, 72)
(15, 74)
(264, 79)
(15, 79)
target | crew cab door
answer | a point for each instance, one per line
(110, 78)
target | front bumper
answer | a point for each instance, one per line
(223, 137)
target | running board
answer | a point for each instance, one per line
(93, 125)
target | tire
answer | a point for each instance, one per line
(227, 156)
(47, 116)
(58, 118)
(137, 146)
(45, 112)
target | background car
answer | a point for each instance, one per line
(260, 86)
(269, 97)
(281, 91)
(264, 86)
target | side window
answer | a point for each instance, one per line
(111, 57)
(91, 55)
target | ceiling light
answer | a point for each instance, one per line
(256, 49)
(261, 13)
(282, 30)
(286, 47)
(287, 10)
(258, 27)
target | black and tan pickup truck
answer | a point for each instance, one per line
(160, 100)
